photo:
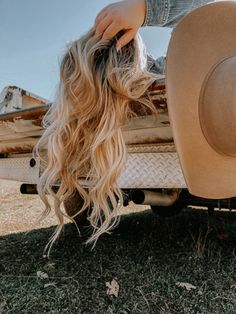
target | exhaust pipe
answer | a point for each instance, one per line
(147, 197)
(26, 188)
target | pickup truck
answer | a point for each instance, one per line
(151, 176)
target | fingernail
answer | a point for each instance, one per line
(118, 47)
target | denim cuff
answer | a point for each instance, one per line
(180, 8)
(156, 12)
(148, 13)
(169, 12)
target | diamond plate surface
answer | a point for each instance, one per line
(152, 170)
(151, 148)
(142, 170)
(18, 169)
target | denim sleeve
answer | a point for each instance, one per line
(168, 13)
(156, 66)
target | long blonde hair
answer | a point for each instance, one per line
(83, 136)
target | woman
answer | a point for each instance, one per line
(130, 15)
(83, 138)
(102, 75)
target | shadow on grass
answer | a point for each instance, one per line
(147, 255)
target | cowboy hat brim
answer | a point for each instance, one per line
(200, 41)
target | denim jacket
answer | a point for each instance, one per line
(169, 12)
(166, 13)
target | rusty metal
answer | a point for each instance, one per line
(13, 98)
(20, 130)
(34, 113)
(16, 149)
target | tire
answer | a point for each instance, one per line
(169, 211)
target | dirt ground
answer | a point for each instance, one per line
(184, 264)
(19, 212)
(158, 266)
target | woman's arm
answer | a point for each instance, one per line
(130, 15)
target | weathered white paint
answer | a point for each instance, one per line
(19, 125)
(146, 129)
(13, 98)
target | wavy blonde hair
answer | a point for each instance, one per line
(83, 136)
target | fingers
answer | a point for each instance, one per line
(111, 30)
(103, 25)
(112, 19)
(102, 14)
(108, 22)
(125, 39)
(100, 17)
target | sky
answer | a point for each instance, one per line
(33, 37)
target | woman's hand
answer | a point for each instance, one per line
(128, 15)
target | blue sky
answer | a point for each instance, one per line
(33, 35)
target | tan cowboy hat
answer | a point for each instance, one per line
(201, 94)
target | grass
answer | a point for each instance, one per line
(146, 255)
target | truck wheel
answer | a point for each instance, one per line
(168, 211)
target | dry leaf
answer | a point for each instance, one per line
(112, 288)
(186, 285)
(49, 266)
(41, 275)
(50, 284)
